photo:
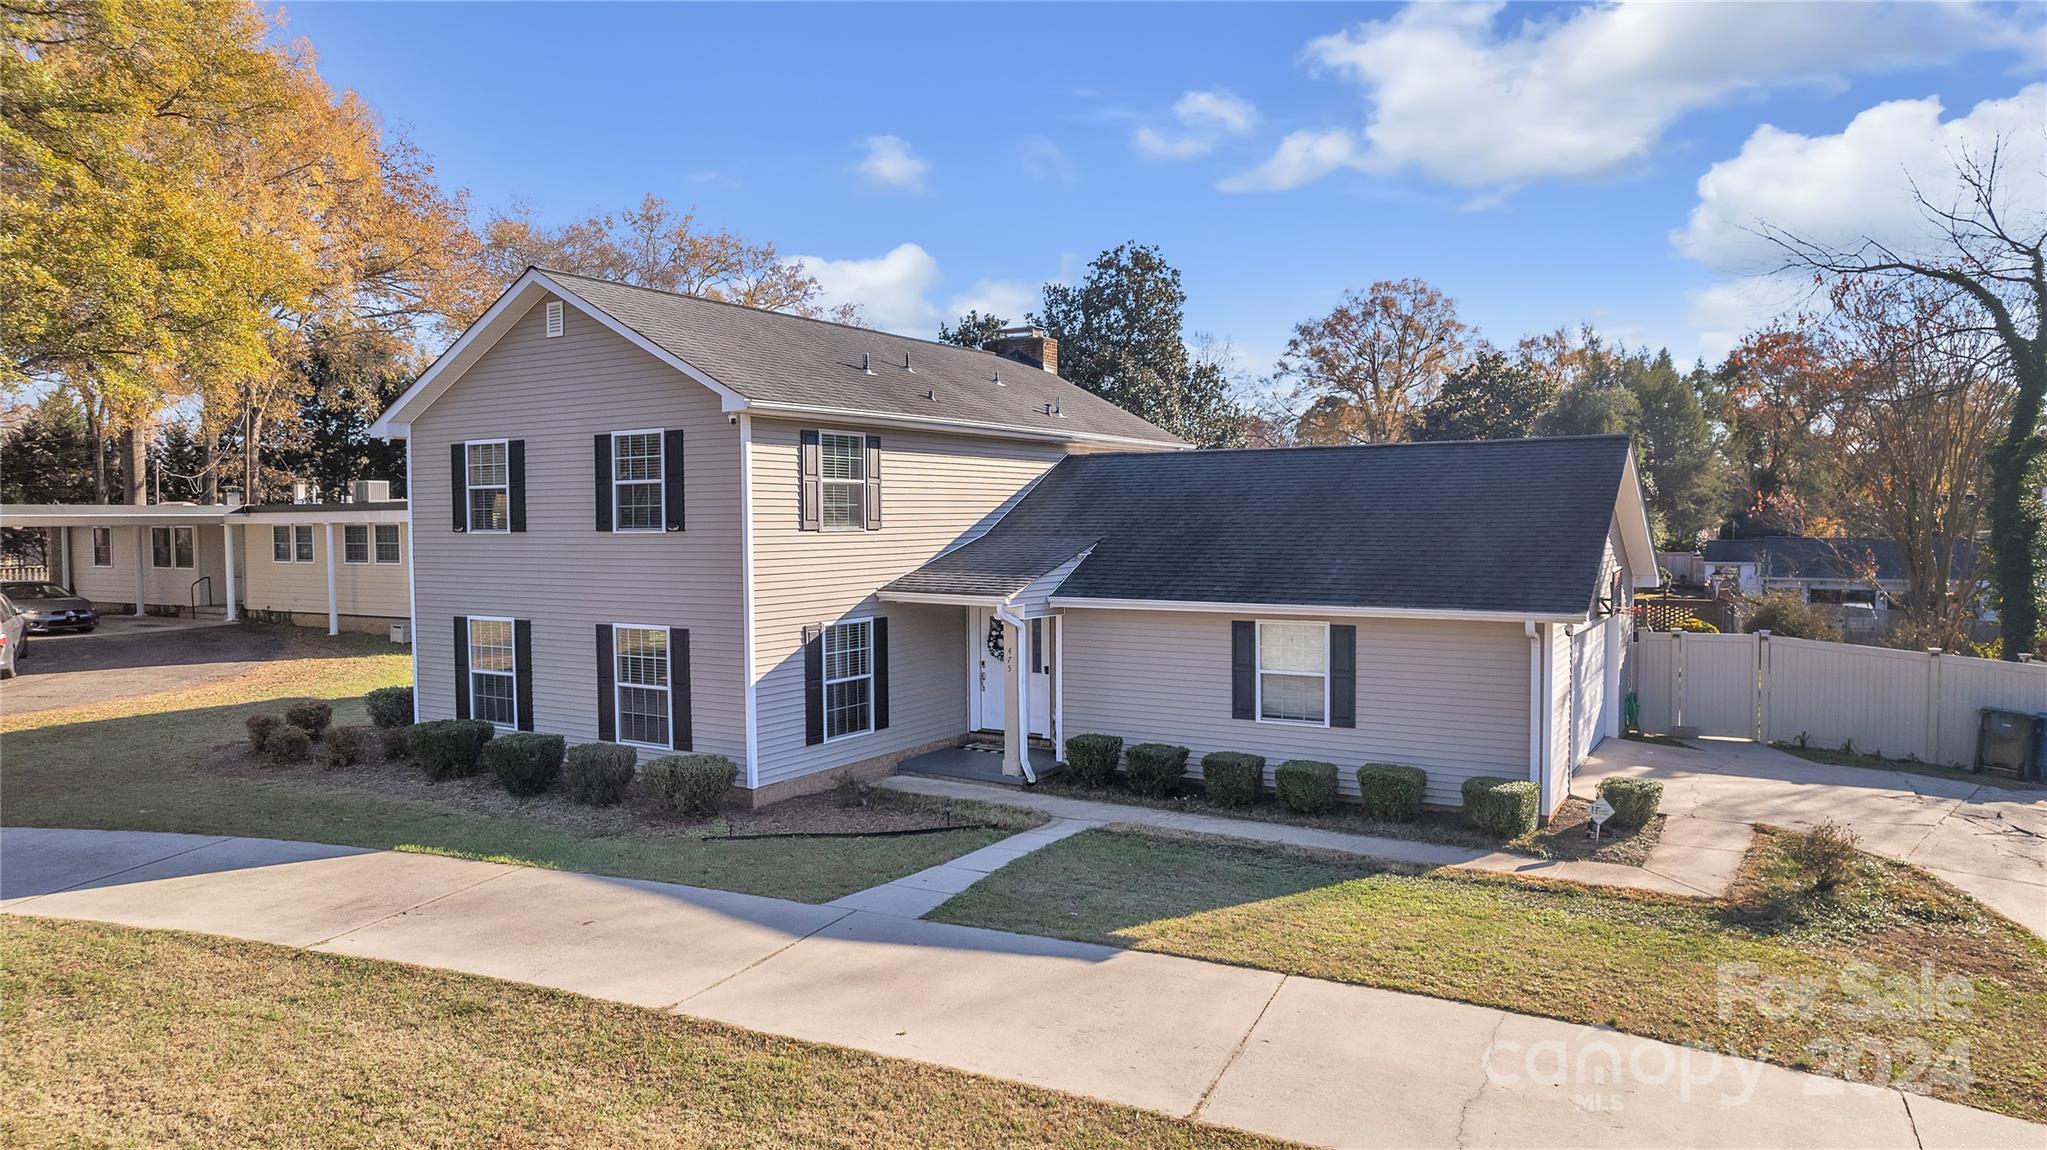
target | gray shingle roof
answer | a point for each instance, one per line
(1800, 557)
(772, 357)
(1515, 525)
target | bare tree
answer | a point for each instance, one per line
(1991, 252)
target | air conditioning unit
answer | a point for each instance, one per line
(370, 491)
(305, 493)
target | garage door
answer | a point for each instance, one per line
(1588, 689)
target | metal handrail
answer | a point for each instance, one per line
(192, 593)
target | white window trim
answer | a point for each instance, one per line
(313, 543)
(823, 483)
(171, 533)
(93, 541)
(825, 680)
(1258, 672)
(469, 637)
(397, 538)
(469, 505)
(288, 551)
(369, 542)
(660, 482)
(617, 714)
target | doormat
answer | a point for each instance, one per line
(984, 748)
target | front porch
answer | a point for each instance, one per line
(976, 765)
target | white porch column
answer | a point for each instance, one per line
(333, 612)
(227, 536)
(1015, 725)
(1058, 625)
(141, 566)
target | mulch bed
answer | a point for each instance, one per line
(1569, 836)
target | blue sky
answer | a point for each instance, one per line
(1541, 164)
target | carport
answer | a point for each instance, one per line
(158, 553)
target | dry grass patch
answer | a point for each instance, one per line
(120, 1037)
(1646, 964)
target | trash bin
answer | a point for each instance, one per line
(2008, 743)
(401, 632)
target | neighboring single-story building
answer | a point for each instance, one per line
(1829, 572)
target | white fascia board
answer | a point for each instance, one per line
(109, 514)
(1311, 610)
(280, 516)
(940, 598)
(964, 427)
(481, 336)
(1633, 514)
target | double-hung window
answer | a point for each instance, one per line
(636, 481)
(843, 476)
(489, 486)
(171, 547)
(641, 686)
(280, 544)
(355, 543)
(387, 543)
(493, 672)
(102, 547)
(302, 543)
(848, 678)
(1293, 673)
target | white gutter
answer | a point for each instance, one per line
(922, 422)
(1322, 610)
(940, 598)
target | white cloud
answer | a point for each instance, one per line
(1302, 158)
(1836, 189)
(1206, 118)
(1043, 159)
(1593, 90)
(1004, 299)
(892, 290)
(889, 163)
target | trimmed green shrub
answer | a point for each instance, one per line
(448, 748)
(397, 742)
(287, 745)
(389, 706)
(525, 763)
(1232, 778)
(1155, 768)
(1305, 786)
(1502, 807)
(599, 773)
(689, 784)
(346, 746)
(1091, 759)
(1391, 791)
(310, 716)
(1634, 800)
(260, 727)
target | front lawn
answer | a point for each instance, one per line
(1652, 965)
(120, 1037)
(175, 762)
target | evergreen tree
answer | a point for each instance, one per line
(973, 330)
(1493, 397)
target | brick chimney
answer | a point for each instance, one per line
(1026, 345)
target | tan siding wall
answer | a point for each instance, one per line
(936, 489)
(561, 572)
(166, 586)
(372, 589)
(1449, 697)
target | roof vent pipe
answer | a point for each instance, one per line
(906, 363)
(864, 369)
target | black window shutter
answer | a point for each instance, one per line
(1243, 669)
(458, 490)
(1343, 675)
(874, 483)
(671, 476)
(603, 455)
(680, 736)
(461, 664)
(522, 680)
(810, 488)
(813, 686)
(515, 482)
(607, 698)
(881, 674)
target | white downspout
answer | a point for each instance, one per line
(227, 543)
(1535, 700)
(1021, 684)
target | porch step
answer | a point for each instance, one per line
(209, 612)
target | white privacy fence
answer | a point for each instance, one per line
(1900, 704)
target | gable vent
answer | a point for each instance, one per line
(554, 318)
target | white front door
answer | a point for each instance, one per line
(985, 640)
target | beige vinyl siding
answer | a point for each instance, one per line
(373, 589)
(161, 586)
(561, 572)
(1557, 648)
(935, 490)
(1033, 600)
(1450, 697)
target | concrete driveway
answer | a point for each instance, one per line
(1990, 841)
(130, 656)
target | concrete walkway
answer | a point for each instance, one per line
(1297, 1058)
(1990, 841)
(1700, 867)
(916, 895)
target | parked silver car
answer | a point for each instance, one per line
(49, 607)
(13, 637)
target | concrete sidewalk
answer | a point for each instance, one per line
(1700, 866)
(1297, 1058)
